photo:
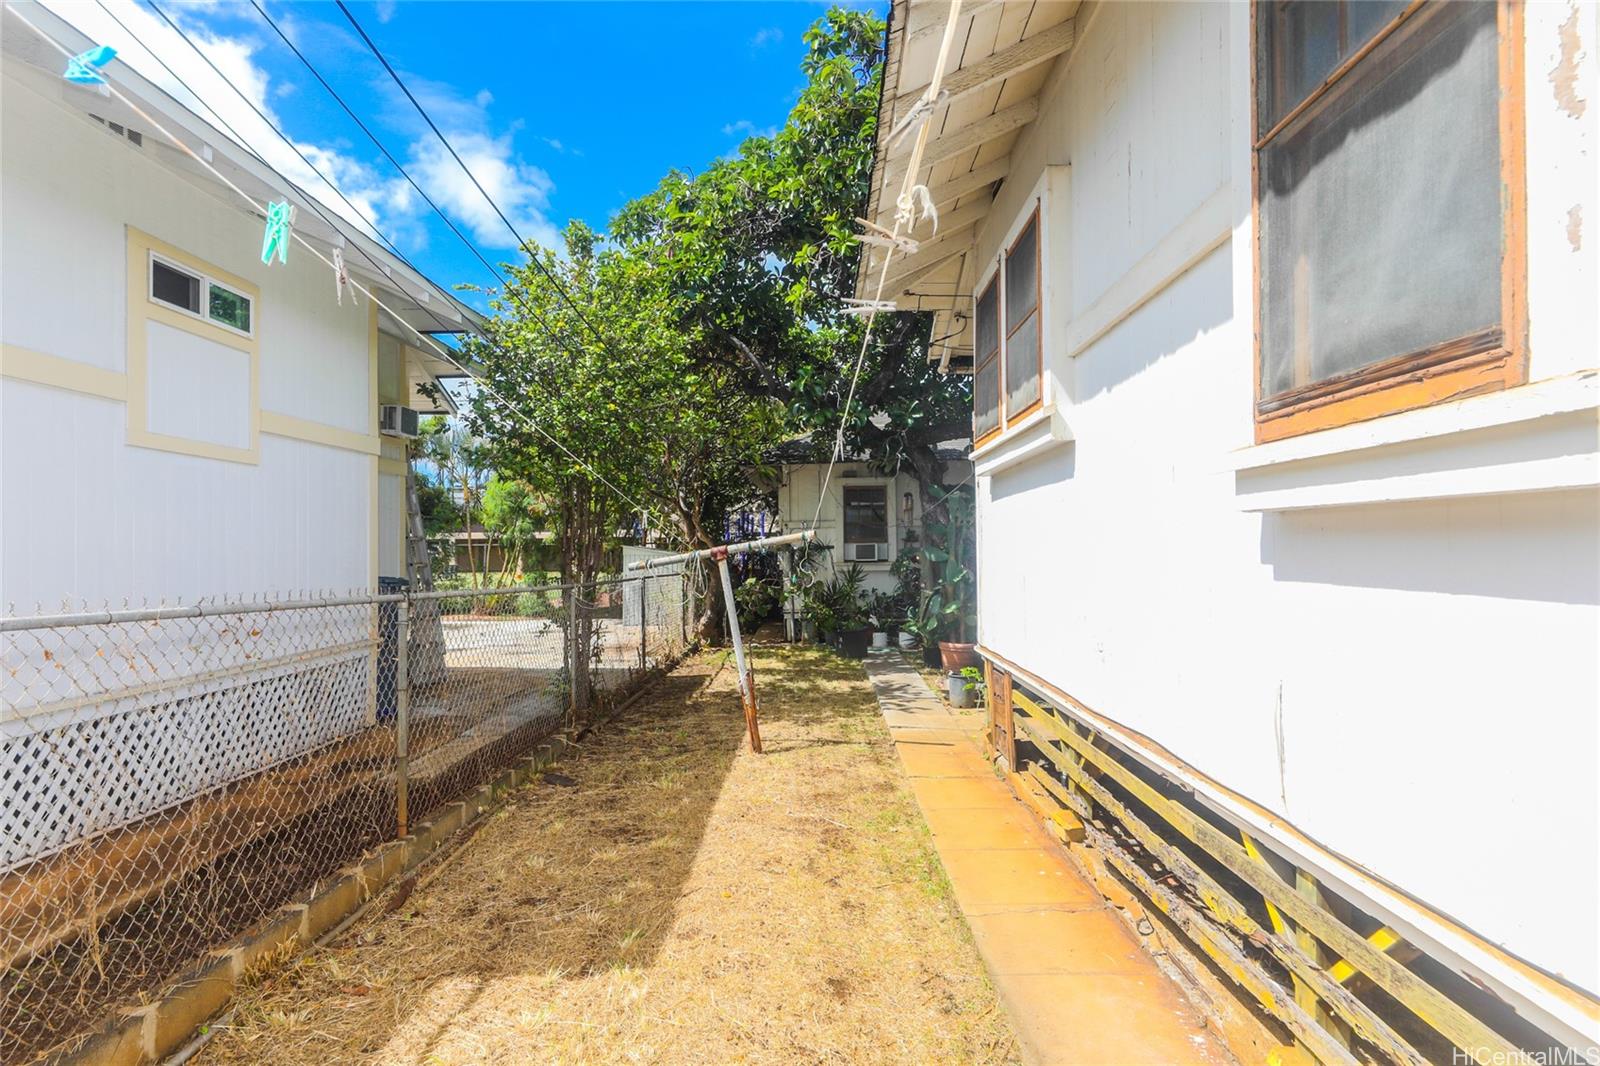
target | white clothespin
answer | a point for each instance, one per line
(867, 307)
(341, 276)
(920, 112)
(879, 237)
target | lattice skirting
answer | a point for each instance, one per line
(123, 760)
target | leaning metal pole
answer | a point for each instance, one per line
(747, 677)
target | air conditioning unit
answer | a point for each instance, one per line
(866, 553)
(397, 421)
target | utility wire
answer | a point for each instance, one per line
(521, 241)
(310, 201)
(261, 209)
(507, 288)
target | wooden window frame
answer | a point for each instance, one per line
(979, 362)
(1485, 361)
(1009, 418)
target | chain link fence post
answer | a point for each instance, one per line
(402, 716)
(644, 629)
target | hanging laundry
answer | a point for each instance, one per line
(275, 241)
(84, 68)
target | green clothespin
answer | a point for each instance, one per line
(276, 239)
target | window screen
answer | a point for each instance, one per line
(866, 514)
(229, 307)
(172, 286)
(1380, 204)
(1023, 354)
(986, 364)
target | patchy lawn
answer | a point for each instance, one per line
(666, 896)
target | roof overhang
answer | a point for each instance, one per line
(1001, 56)
(417, 302)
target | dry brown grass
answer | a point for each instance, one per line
(666, 896)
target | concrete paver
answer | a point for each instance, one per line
(1078, 986)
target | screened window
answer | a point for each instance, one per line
(1382, 201)
(986, 364)
(176, 287)
(198, 295)
(866, 514)
(1024, 356)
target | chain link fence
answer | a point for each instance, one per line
(170, 777)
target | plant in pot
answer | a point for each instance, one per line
(849, 608)
(884, 618)
(905, 604)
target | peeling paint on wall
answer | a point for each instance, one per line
(1564, 76)
(1575, 226)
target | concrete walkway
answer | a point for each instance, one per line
(1078, 986)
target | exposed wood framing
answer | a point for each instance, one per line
(1026, 53)
(1086, 763)
(966, 139)
(929, 257)
(969, 12)
(971, 181)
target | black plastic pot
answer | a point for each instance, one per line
(853, 643)
(930, 656)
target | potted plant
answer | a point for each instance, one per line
(849, 608)
(882, 615)
(960, 688)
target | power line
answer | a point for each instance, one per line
(261, 209)
(521, 241)
(506, 287)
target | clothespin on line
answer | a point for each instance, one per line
(84, 68)
(867, 307)
(879, 237)
(919, 113)
(341, 276)
(275, 240)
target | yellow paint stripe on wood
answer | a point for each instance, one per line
(282, 425)
(1427, 1002)
(25, 364)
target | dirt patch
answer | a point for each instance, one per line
(681, 900)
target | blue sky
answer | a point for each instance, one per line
(563, 110)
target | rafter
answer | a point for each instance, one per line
(1026, 53)
(967, 138)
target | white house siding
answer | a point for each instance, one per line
(1411, 683)
(103, 725)
(86, 515)
(797, 507)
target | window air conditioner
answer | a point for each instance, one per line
(397, 421)
(866, 553)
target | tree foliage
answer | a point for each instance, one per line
(760, 251)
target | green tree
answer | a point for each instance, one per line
(515, 514)
(461, 460)
(760, 252)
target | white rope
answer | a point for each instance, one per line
(907, 196)
(356, 285)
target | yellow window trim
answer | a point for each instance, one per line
(143, 310)
(25, 364)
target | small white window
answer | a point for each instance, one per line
(197, 295)
(866, 524)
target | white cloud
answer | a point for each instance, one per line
(520, 190)
(765, 36)
(749, 129)
(385, 10)
(381, 198)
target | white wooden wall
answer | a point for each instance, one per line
(1410, 681)
(85, 515)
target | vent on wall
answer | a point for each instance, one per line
(134, 137)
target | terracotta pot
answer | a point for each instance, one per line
(954, 655)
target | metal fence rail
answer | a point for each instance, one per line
(168, 777)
